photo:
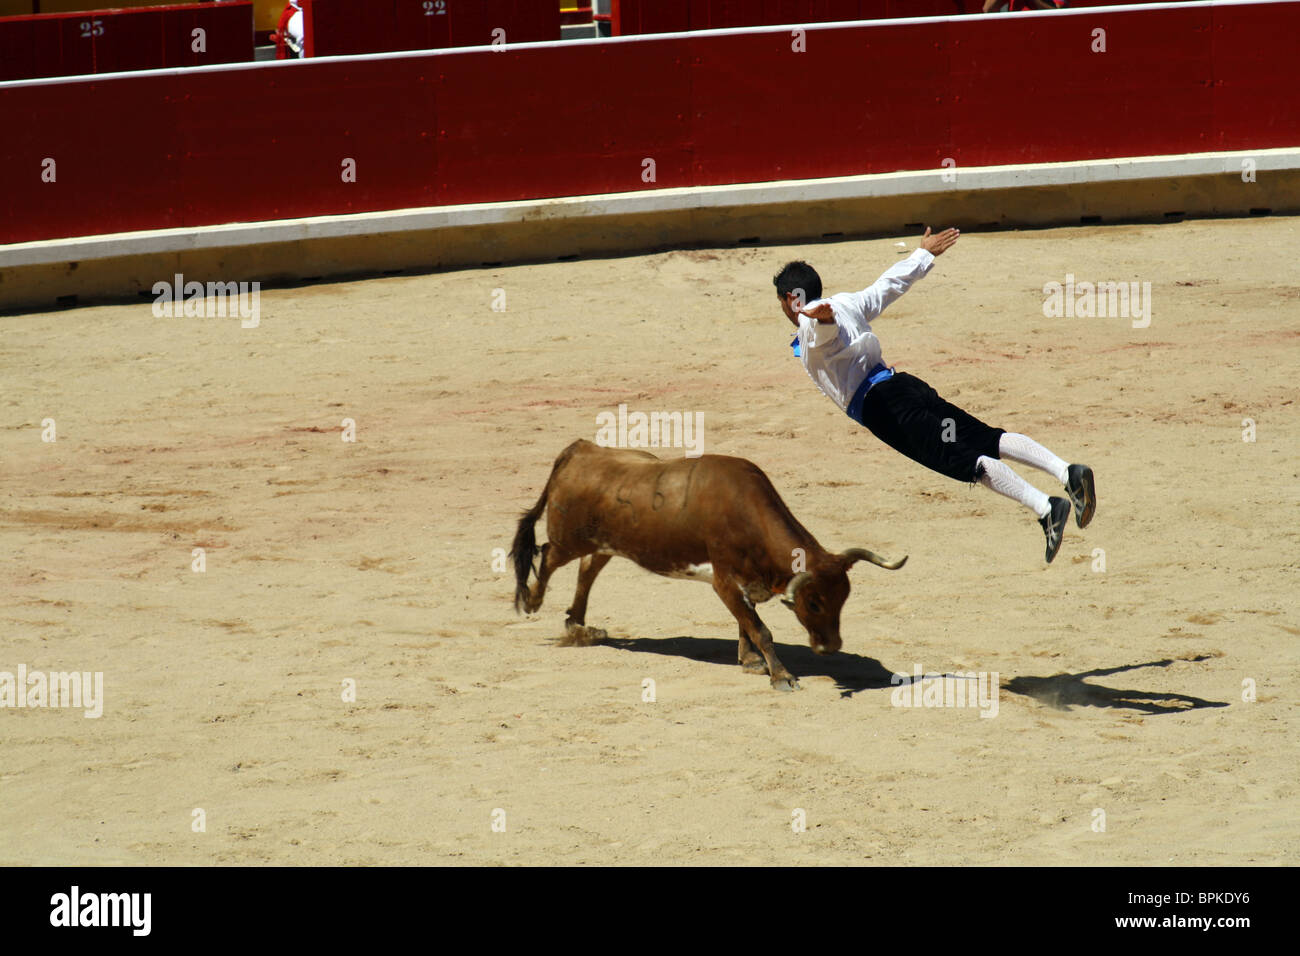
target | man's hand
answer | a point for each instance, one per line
(821, 312)
(937, 245)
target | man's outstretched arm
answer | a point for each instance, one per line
(897, 279)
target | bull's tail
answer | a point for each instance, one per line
(524, 548)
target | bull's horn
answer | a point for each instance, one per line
(791, 589)
(862, 554)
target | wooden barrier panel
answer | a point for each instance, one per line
(630, 17)
(109, 41)
(82, 6)
(377, 133)
(342, 27)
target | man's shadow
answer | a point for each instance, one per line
(854, 673)
(1066, 691)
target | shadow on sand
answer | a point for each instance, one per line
(1065, 691)
(853, 673)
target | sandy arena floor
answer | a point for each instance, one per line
(327, 561)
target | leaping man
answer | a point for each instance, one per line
(841, 354)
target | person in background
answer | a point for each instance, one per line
(288, 35)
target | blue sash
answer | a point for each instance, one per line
(877, 375)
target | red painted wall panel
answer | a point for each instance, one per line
(17, 57)
(379, 119)
(129, 42)
(227, 35)
(854, 103)
(1061, 100)
(638, 16)
(524, 21)
(428, 28)
(1254, 96)
(658, 16)
(344, 27)
(111, 174)
(472, 23)
(189, 149)
(891, 9)
(510, 128)
(75, 44)
(107, 41)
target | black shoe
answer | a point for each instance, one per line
(1054, 525)
(1083, 493)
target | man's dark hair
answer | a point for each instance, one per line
(798, 275)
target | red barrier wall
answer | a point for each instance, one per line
(106, 41)
(338, 27)
(629, 17)
(475, 126)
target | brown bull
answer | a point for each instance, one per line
(712, 518)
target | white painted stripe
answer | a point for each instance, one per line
(638, 38)
(914, 182)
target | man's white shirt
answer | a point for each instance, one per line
(839, 356)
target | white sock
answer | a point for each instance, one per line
(999, 477)
(1024, 449)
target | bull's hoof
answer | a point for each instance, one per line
(580, 635)
(785, 683)
(755, 666)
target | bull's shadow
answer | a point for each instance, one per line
(1066, 691)
(851, 672)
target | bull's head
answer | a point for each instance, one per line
(817, 596)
